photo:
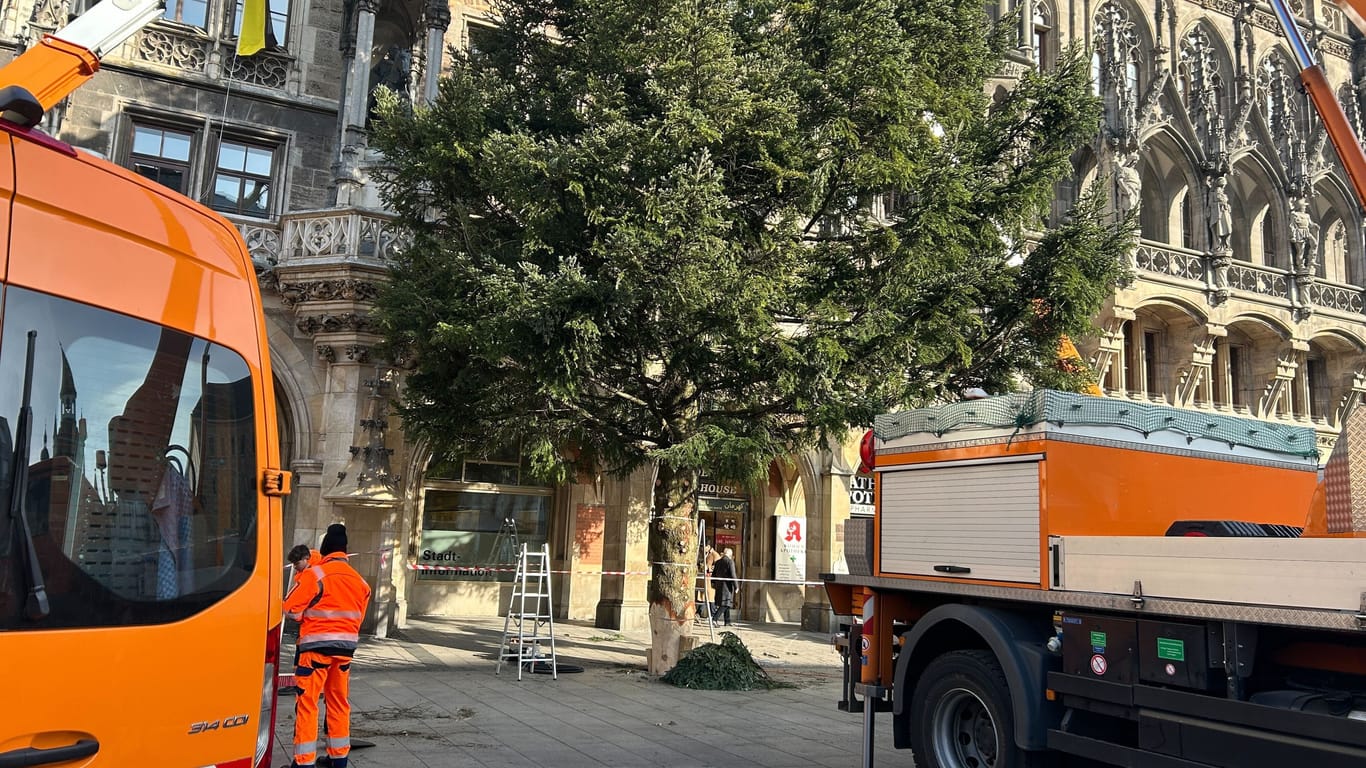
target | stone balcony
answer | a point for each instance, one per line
(323, 238)
(1305, 307)
(1275, 288)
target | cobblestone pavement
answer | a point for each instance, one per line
(430, 698)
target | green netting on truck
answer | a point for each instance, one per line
(1025, 409)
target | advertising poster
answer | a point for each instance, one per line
(789, 551)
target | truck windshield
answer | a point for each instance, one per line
(141, 497)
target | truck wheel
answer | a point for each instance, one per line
(961, 715)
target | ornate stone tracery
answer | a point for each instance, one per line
(172, 48)
(1116, 71)
(266, 69)
(1202, 86)
(50, 14)
(353, 322)
(344, 289)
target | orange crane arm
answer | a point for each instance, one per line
(50, 70)
(62, 61)
(1340, 132)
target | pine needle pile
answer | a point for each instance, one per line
(724, 666)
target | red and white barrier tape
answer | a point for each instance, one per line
(475, 570)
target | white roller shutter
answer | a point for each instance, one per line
(983, 518)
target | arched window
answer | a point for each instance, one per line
(1154, 351)
(194, 13)
(1042, 36)
(1333, 256)
(1270, 257)
(277, 10)
(1187, 221)
(1318, 390)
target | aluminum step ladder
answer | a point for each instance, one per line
(702, 597)
(530, 626)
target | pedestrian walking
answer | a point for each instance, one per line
(726, 585)
(329, 602)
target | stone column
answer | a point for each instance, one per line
(585, 521)
(371, 515)
(358, 85)
(625, 548)
(827, 474)
(307, 495)
(331, 292)
(1027, 29)
(354, 100)
(438, 21)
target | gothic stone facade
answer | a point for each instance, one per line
(1247, 289)
(1246, 294)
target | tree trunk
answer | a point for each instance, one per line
(673, 562)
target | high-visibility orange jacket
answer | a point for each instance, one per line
(329, 603)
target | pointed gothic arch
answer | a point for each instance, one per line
(1340, 257)
(1173, 201)
(1259, 213)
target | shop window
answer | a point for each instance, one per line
(478, 534)
(242, 179)
(162, 155)
(506, 467)
(277, 11)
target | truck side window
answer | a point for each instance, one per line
(141, 496)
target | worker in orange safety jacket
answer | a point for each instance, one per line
(328, 601)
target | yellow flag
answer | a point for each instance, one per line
(1069, 356)
(255, 16)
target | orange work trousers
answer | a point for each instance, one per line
(329, 677)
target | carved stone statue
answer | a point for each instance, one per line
(1220, 217)
(392, 72)
(1128, 185)
(1304, 237)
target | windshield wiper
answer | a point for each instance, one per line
(36, 606)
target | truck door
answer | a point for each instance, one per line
(135, 586)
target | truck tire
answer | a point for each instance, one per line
(961, 715)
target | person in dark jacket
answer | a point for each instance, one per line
(724, 582)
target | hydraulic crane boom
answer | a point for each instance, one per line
(61, 62)
(1340, 132)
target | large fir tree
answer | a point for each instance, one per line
(698, 235)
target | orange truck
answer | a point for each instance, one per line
(1054, 577)
(140, 565)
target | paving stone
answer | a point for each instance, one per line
(430, 698)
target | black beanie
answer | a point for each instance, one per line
(334, 540)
